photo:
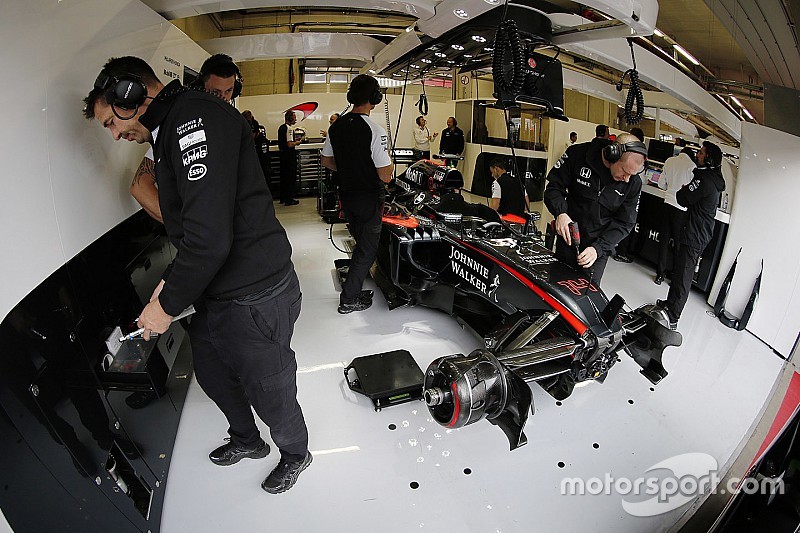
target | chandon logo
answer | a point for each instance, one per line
(305, 109)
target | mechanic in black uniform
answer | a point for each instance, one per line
(288, 158)
(357, 149)
(597, 185)
(262, 144)
(623, 248)
(233, 261)
(452, 141)
(701, 198)
(508, 192)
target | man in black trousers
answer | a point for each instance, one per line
(233, 260)
(701, 198)
(357, 149)
(288, 158)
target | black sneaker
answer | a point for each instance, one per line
(659, 279)
(285, 474)
(672, 319)
(230, 453)
(622, 258)
(365, 295)
(356, 305)
(291, 202)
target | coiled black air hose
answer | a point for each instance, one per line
(635, 96)
(422, 103)
(507, 41)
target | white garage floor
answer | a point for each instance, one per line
(467, 480)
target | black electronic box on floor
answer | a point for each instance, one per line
(388, 378)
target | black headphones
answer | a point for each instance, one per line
(375, 97)
(218, 60)
(613, 152)
(126, 91)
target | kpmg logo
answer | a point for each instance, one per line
(194, 154)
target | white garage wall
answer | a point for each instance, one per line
(764, 224)
(269, 109)
(65, 182)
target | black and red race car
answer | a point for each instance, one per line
(540, 320)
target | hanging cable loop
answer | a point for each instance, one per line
(635, 97)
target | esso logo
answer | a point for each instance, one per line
(196, 171)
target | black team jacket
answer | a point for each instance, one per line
(580, 185)
(701, 198)
(215, 202)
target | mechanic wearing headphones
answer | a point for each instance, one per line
(219, 76)
(597, 185)
(358, 151)
(233, 261)
(452, 141)
(701, 198)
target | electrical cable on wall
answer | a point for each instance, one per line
(635, 96)
(388, 123)
(400, 114)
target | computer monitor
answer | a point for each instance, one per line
(660, 150)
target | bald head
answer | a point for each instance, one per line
(630, 164)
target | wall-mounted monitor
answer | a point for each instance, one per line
(659, 150)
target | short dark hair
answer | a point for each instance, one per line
(117, 67)
(713, 154)
(688, 151)
(221, 65)
(499, 162)
(600, 130)
(638, 133)
(361, 89)
(419, 118)
(289, 115)
(575, 133)
(455, 122)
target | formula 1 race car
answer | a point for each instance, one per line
(540, 320)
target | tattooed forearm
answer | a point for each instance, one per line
(146, 168)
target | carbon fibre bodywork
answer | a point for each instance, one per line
(539, 319)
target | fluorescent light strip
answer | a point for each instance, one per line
(658, 33)
(736, 100)
(746, 112)
(686, 54)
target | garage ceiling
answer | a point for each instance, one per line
(740, 43)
